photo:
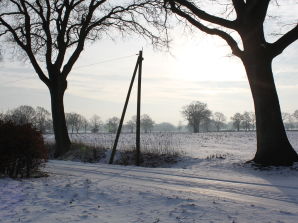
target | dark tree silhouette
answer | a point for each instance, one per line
(52, 34)
(273, 147)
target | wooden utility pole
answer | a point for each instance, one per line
(138, 130)
(138, 66)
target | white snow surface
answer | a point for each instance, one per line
(196, 189)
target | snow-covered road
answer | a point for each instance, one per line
(173, 180)
(78, 192)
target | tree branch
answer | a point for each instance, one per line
(230, 41)
(28, 50)
(203, 15)
(283, 42)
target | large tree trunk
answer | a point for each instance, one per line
(59, 123)
(273, 147)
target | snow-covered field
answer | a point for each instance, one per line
(202, 188)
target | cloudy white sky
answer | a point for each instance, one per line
(197, 68)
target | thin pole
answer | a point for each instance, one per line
(138, 152)
(124, 111)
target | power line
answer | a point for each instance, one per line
(87, 65)
(106, 61)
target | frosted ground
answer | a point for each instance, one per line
(212, 184)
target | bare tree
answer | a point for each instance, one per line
(112, 124)
(288, 120)
(206, 124)
(242, 28)
(23, 114)
(295, 114)
(95, 123)
(219, 120)
(42, 117)
(52, 34)
(147, 123)
(70, 121)
(79, 122)
(85, 124)
(253, 120)
(195, 113)
(131, 124)
(237, 119)
(246, 121)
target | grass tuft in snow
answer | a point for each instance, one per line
(151, 158)
(157, 150)
(81, 152)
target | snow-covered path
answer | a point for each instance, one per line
(168, 179)
(78, 192)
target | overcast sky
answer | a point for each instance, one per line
(197, 68)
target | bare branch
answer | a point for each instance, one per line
(283, 42)
(202, 14)
(212, 31)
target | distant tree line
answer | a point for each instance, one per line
(202, 119)
(199, 119)
(40, 118)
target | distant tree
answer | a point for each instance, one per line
(219, 120)
(295, 114)
(79, 122)
(70, 121)
(285, 116)
(206, 124)
(85, 124)
(112, 124)
(246, 121)
(243, 25)
(253, 120)
(95, 123)
(147, 123)
(288, 120)
(131, 124)
(291, 122)
(42, 117)
(53, 34)
(74, 121)
(237, 119)
(195, 113)
(23, 114)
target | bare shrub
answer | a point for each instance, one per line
(22, 150)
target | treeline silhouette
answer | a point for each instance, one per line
(210, 121)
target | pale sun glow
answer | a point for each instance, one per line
(206, 61)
